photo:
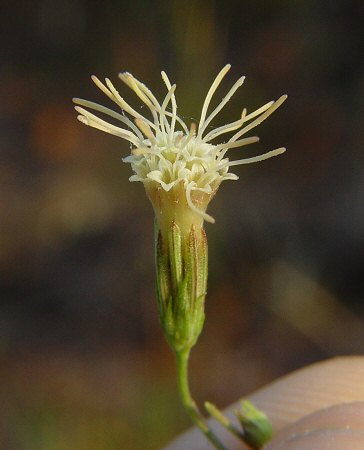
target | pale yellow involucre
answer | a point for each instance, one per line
(168, 154)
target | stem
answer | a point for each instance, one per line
(188, 402)
(225, 422)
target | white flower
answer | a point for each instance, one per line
(169, 157)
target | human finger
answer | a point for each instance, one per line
(335, 428)
(292, 397)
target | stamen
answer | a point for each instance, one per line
(258, 111)
(178, 139)
(225, 128)
(260, 119)
(102, 87)
(190, 135)
(91, 123)
(130, 81)
(211, 92)
(144, 89)
(267, 155)
(190, 203)
(212, 172)
(164, 105)
(124, 105)
(179, 120)
(145, 129)
(141, 151)
(110, 113)
(140, 89)
(221, 105)
(92, 119)
(240, 143)
(174, 104)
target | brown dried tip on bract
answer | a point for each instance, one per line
(166, 152)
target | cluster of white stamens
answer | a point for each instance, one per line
(168, 153)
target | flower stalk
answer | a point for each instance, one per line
(188, 402)
(181, 265)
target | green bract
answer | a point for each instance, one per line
(181, 263)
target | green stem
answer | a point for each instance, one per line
(188, 402)
(225, 422)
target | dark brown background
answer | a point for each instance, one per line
(83, 362)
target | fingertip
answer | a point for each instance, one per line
(335, 428)
(315, 387)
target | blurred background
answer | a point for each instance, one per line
(83, 362)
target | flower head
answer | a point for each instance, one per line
(178, 164)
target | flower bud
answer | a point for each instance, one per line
(256, 425)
